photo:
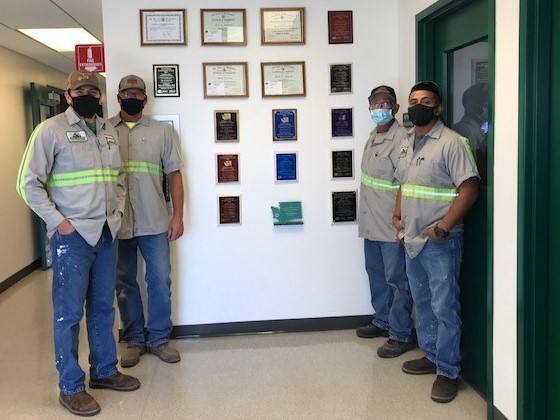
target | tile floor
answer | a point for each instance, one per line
(300, 376)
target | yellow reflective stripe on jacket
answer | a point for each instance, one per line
(469, 150)
(428, 193)
(25, 162)
(144, 167)
(89, 176)
(379, 184)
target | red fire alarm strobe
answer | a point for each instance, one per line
(90, 57)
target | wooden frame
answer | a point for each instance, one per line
(283, 79)
(163, 27)
(283, 26)
(224, 27)
(225, 80)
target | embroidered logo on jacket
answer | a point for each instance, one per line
(76, 136)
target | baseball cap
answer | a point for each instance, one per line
(132, 82)
(383, 90)
(80, 78)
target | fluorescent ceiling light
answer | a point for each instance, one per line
(61, 39)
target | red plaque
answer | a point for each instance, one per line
(341, 30)
(227, 168)
(90, 57)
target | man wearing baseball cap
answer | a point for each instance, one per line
(384, 256)
(71, 176)
(150, 156)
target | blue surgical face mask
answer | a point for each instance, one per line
(381, 116)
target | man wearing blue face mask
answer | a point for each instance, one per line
(384, 257)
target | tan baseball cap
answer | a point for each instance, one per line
(132, 82)
(81, 78)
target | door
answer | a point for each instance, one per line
(46, 102)
(453, 51)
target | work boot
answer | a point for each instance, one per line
(117, 381)
(419, 367)
(131, 355)
(165, 352)
(444, 389)
(371, 331)
(393, 348)
(81, 404)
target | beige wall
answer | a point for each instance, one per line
(17, 231)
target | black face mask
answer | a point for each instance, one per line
(85, 106)
(421, 115)
(132, 106)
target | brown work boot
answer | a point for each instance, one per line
(117, 381)
(131, 356)
(444, 389)
(81, 404)
(166, 353)
(419, 367)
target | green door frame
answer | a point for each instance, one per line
(424, 70)
(535, 77)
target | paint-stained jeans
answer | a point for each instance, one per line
(434, 281)
(82, 273)
(155, 251)
(390, 293)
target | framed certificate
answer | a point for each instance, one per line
(229, 210)
(284, 124)
(223, 27)
(344, 206)
(226, 126)
(285, 165)
(225, 80)
(341, 29)
(163, 27)
(282, 26)
(166, 80)
(342, 124)
(342, 164)
(283, 79)
(340, 76)
(227, 168)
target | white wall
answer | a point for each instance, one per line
(256, 271)
(18, 233)
(505, 206)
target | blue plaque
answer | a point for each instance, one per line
(284, 122)
(342, 124)
(286, 166)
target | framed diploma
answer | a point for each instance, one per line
(340, 76)
(284, 124)
(342, 164)
(341, 29)
(227, 168)
(344, 208)
(282, 26)
(342, 124)
(163, 27)
(285, 165)
(226, 126)
(166, 80)
(225, 80)
(283, 79)
(229, 210)
(223, 27)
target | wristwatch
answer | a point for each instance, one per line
(440, 233)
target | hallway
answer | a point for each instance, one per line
(316, 375)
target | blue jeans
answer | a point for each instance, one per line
(155, 251)
(434, 280)
(390, 293)
(82, 273)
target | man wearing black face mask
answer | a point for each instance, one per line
(148, 151)
(439, 184)
(71, 175)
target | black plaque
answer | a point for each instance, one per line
(230, 210)
(342, 163)
(342, 122)
(341, 78)
(166, 80)
(227, 168)
(226, 125)
(344, 206)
